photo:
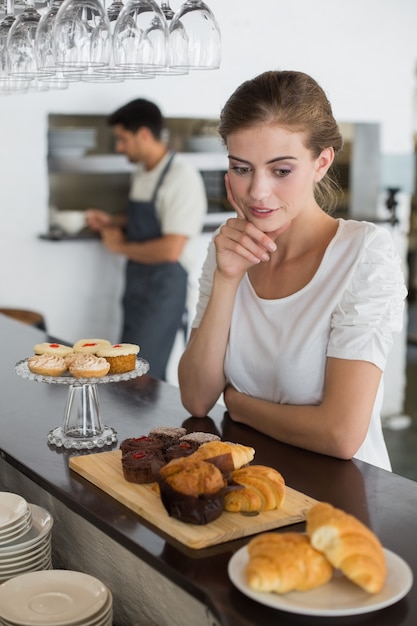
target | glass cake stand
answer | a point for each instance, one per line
(82, 427)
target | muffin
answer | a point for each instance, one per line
(89, 346)
(88, 366)
(47, 364)
(121, 356)
(137, 465)
(58, 349)
(133, 444)
(192, 491)
(167, 435)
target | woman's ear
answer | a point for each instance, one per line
(323, 163)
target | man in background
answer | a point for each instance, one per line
(157, 234)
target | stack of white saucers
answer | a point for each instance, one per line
(55, 598)
(15, 517)
(31, 550)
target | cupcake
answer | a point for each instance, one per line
(179, 450)
(192, 491)
(140, 443)
(121, 356)
(89, 346)
(137, 465)
(58, 349)
(88, 366)
(167, 435)
(47, 364)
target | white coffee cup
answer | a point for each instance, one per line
(71, 222)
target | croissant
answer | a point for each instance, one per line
(282, 562)
(263, 490)
(240, 454)
(348, 544)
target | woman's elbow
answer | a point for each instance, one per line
(195, 407)
(344, 447)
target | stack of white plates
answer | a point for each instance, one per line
(71, 142)
(15, 517)
(30, 551)
(55, 598)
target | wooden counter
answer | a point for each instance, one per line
(384, 501)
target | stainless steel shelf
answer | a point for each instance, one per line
(117, 163)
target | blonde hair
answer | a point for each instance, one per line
(293, 100)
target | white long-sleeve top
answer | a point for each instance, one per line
(277, 349)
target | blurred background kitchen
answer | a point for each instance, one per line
(56, 156)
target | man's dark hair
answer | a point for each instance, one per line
(136, 114)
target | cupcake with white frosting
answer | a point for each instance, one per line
(120, 356)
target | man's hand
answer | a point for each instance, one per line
(113, 238)
(97, 220)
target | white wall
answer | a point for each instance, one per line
(363, 52)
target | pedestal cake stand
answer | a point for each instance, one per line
(82, 427)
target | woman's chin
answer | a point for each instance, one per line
(274, 232)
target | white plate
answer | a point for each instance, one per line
(44, 564)
(51, 597)
(31, 558)
(339, 597)
(42, 523)
(12, 509)
(18, 531)
(31, 553)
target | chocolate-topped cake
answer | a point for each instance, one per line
(179, 450)
(140, 443)
(197, 438)
(168, 436)
(137, 465)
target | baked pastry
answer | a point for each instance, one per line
(140, 443)
(263, 489)
(228, 456)
(88, 366)
(47, 364)
(58, 349)
(192, 490)
(121, 356)
(167, 435)
(90, 345)
(348, 544)
(137, 465)
(282, 562)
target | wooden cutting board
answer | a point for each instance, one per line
(105, 471)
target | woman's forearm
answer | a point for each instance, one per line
(337, 426)
(201, 368)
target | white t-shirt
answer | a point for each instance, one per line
(277, 348)
(181, 202)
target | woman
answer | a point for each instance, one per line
(297, 309)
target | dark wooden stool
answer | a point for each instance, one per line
(27, 317)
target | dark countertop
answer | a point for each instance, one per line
(384, 501)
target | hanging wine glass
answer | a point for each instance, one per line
(112, 72)
(195, 39)
(21, 43)
(8, 84)
(45, 50)
(140, 37)
(81, 35)
(167, 69)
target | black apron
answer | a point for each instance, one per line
(155, 295)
